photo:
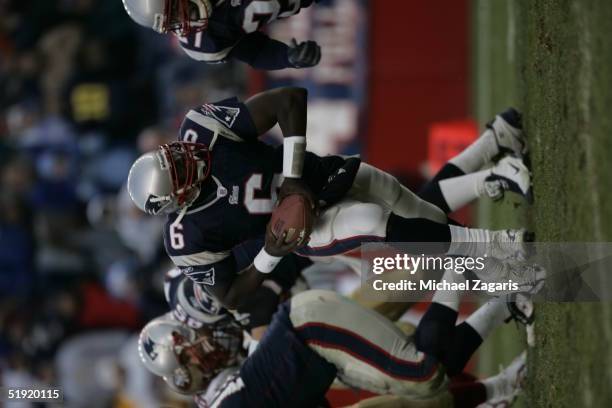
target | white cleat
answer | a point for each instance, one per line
(510, 244)
(508, 131)
(521, 308)
(522, 311)
(528, 278)
(508, 383)
(509, 174)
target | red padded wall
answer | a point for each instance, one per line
(419, 74)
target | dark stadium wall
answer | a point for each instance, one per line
(419, 75)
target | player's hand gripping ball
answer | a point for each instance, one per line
(294, 217)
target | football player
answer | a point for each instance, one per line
(214, 31)
(316, 337)
(192, 305)
(219, 184)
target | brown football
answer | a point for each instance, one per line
(293, 216)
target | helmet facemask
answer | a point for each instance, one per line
(184, 16)
(188, 165)
(202, 359)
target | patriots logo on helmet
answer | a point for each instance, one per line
(205, 301)
(149, 348)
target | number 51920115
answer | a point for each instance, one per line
(45, 394)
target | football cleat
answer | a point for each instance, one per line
(521, 309)
(510, 244)
(509, 174)
(508, 383)
(529, 278)
(507, 128)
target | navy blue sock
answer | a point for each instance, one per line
(465, 342)
(400, 229)
(431, 191)
(435, 332)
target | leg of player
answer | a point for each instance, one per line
(344, 226)
(453, 345)
(464, 391)
(458, 240)
(509, 174)
(503, 388)
(376, 186)
(503, 135)
(368, 350)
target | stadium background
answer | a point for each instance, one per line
(83, 90)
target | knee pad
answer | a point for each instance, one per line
(434, 339)
(376, 186)
(361, 219)
(435, 333)
(412, 206)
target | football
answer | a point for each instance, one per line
(294, 216)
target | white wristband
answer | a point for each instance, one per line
(264, 262)
(294, 151)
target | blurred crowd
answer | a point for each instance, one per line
(83, 91)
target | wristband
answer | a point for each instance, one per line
(294, 151)
(264, 262)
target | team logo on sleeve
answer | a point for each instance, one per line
(201, 276)
(224, 114)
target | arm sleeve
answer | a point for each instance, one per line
(203, 47)
(262, 52)
(229, 118)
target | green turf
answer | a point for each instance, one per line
(553, 59)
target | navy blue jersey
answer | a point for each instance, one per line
(193, 306)
(233, 31)
(282, 372)
(223, 230)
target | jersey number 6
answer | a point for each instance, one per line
(177, 241)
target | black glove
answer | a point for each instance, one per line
(305, 54)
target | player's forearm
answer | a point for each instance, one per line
(245, 284)
(262, 52)
(285, 106)
(292, 113)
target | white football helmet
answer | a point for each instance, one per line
(187, 359)
(168, 179)
(180, 16)
(194, 304)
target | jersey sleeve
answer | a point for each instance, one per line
(228, 118)
(207, 48)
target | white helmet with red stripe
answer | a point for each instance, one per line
(168, 179)
(186, 358)
(180, 16)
